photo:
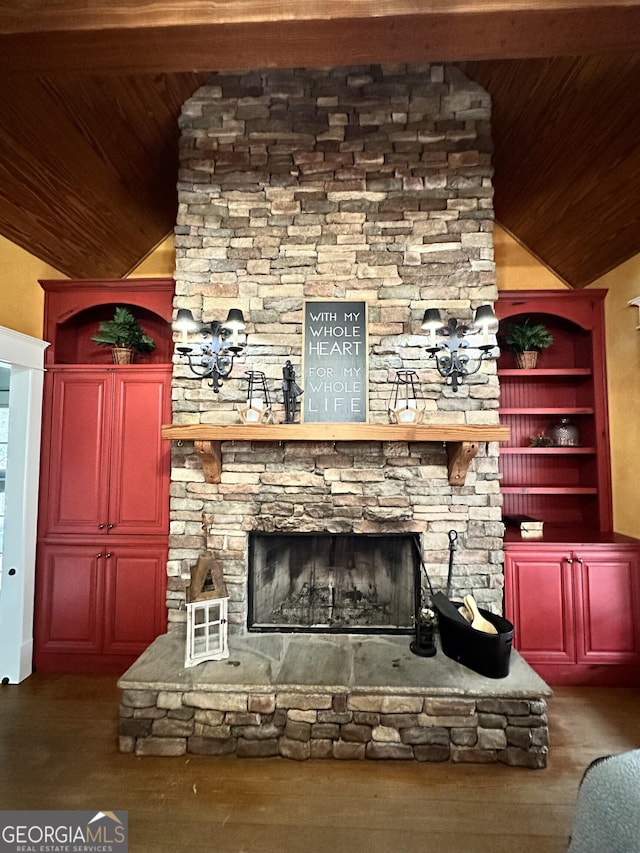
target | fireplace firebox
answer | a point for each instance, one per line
(326, 582)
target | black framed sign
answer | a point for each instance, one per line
(335, 356)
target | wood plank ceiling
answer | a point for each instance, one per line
(91, 94)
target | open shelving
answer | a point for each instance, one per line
(566, 486)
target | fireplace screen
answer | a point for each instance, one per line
(332, 582)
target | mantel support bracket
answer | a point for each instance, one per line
(211, 456)
(459, 456)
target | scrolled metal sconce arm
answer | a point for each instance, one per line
(455, 359)
(213, 357)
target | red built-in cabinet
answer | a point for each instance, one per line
(104, 495)
(574, 594)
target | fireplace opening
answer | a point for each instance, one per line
(326, 582)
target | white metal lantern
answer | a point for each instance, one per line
(207, 608)
(206, 631)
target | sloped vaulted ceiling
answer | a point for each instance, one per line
(567, 158)
(88, 167)
(90, 95)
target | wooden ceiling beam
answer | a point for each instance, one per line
(68, 15)
(47, 37)
(23, 16)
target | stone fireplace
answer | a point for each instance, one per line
(365, 184)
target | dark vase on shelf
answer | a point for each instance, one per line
(123, 355)
(564, 434)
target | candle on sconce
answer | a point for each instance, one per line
(431, 322)
(485, 320)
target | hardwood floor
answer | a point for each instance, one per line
(58, 750)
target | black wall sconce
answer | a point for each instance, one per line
(455, 356)
(212, 356)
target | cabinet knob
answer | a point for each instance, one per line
(110, 526)
(568, 560)
(101, 527)
(579, 560)
(98, 556)
(107, 556)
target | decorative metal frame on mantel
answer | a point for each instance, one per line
(258, 408)
(212, 357)
(456, 357)
(403, 399)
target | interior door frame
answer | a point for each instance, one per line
(25, 357)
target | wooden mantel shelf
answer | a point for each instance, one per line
(461, 440)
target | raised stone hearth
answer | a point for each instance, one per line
(304, 696)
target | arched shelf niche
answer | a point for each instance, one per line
(74, 310)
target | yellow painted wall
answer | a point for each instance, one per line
(517, 268)
(623, 374)
(161, 263)
(22, 298)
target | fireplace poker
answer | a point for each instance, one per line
(453, 538)
(440, 601)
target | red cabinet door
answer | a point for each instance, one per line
(139, 460)
(607, 585)
(539, 602)
(75, 453)
(69, 596)
(98, 600)
(106, 466)
(135, 610)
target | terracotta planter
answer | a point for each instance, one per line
(122, 355)
(527, 360)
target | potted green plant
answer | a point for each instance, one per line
(527, 340)
(125, 335)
